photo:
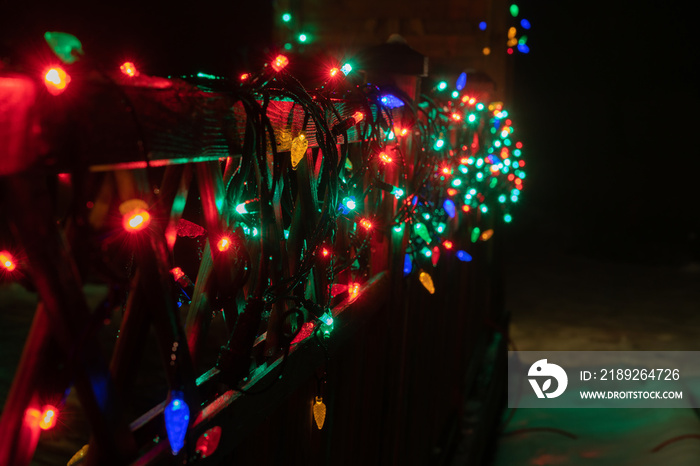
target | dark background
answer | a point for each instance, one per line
(605, 101)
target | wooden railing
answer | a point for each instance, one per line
(395, 372)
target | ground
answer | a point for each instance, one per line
(567, 302)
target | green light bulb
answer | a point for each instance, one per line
(476, 232)
(286, 17)
(422, 231)
(442, 85)
(66, 46)
(303, 37)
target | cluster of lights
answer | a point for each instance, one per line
(44, 418)
(481, 174)
(513, 42)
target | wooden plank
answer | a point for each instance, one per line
(140, 125)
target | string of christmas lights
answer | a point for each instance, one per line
(290, 235)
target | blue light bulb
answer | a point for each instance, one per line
(461, 81)
(391, 101)
(449, 207)
(464, 256)
(407, 265)
(177, 419)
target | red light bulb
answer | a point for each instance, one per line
(208, 442)
(177, 273)
(280, 62)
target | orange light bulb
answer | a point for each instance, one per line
(56, 80)
(224, 244)
(129, 69)
(385, 158)
(353, 290)
(136, 220)
(48, 417)
(7, 261)
(366, 224)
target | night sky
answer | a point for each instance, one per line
(605, 102)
